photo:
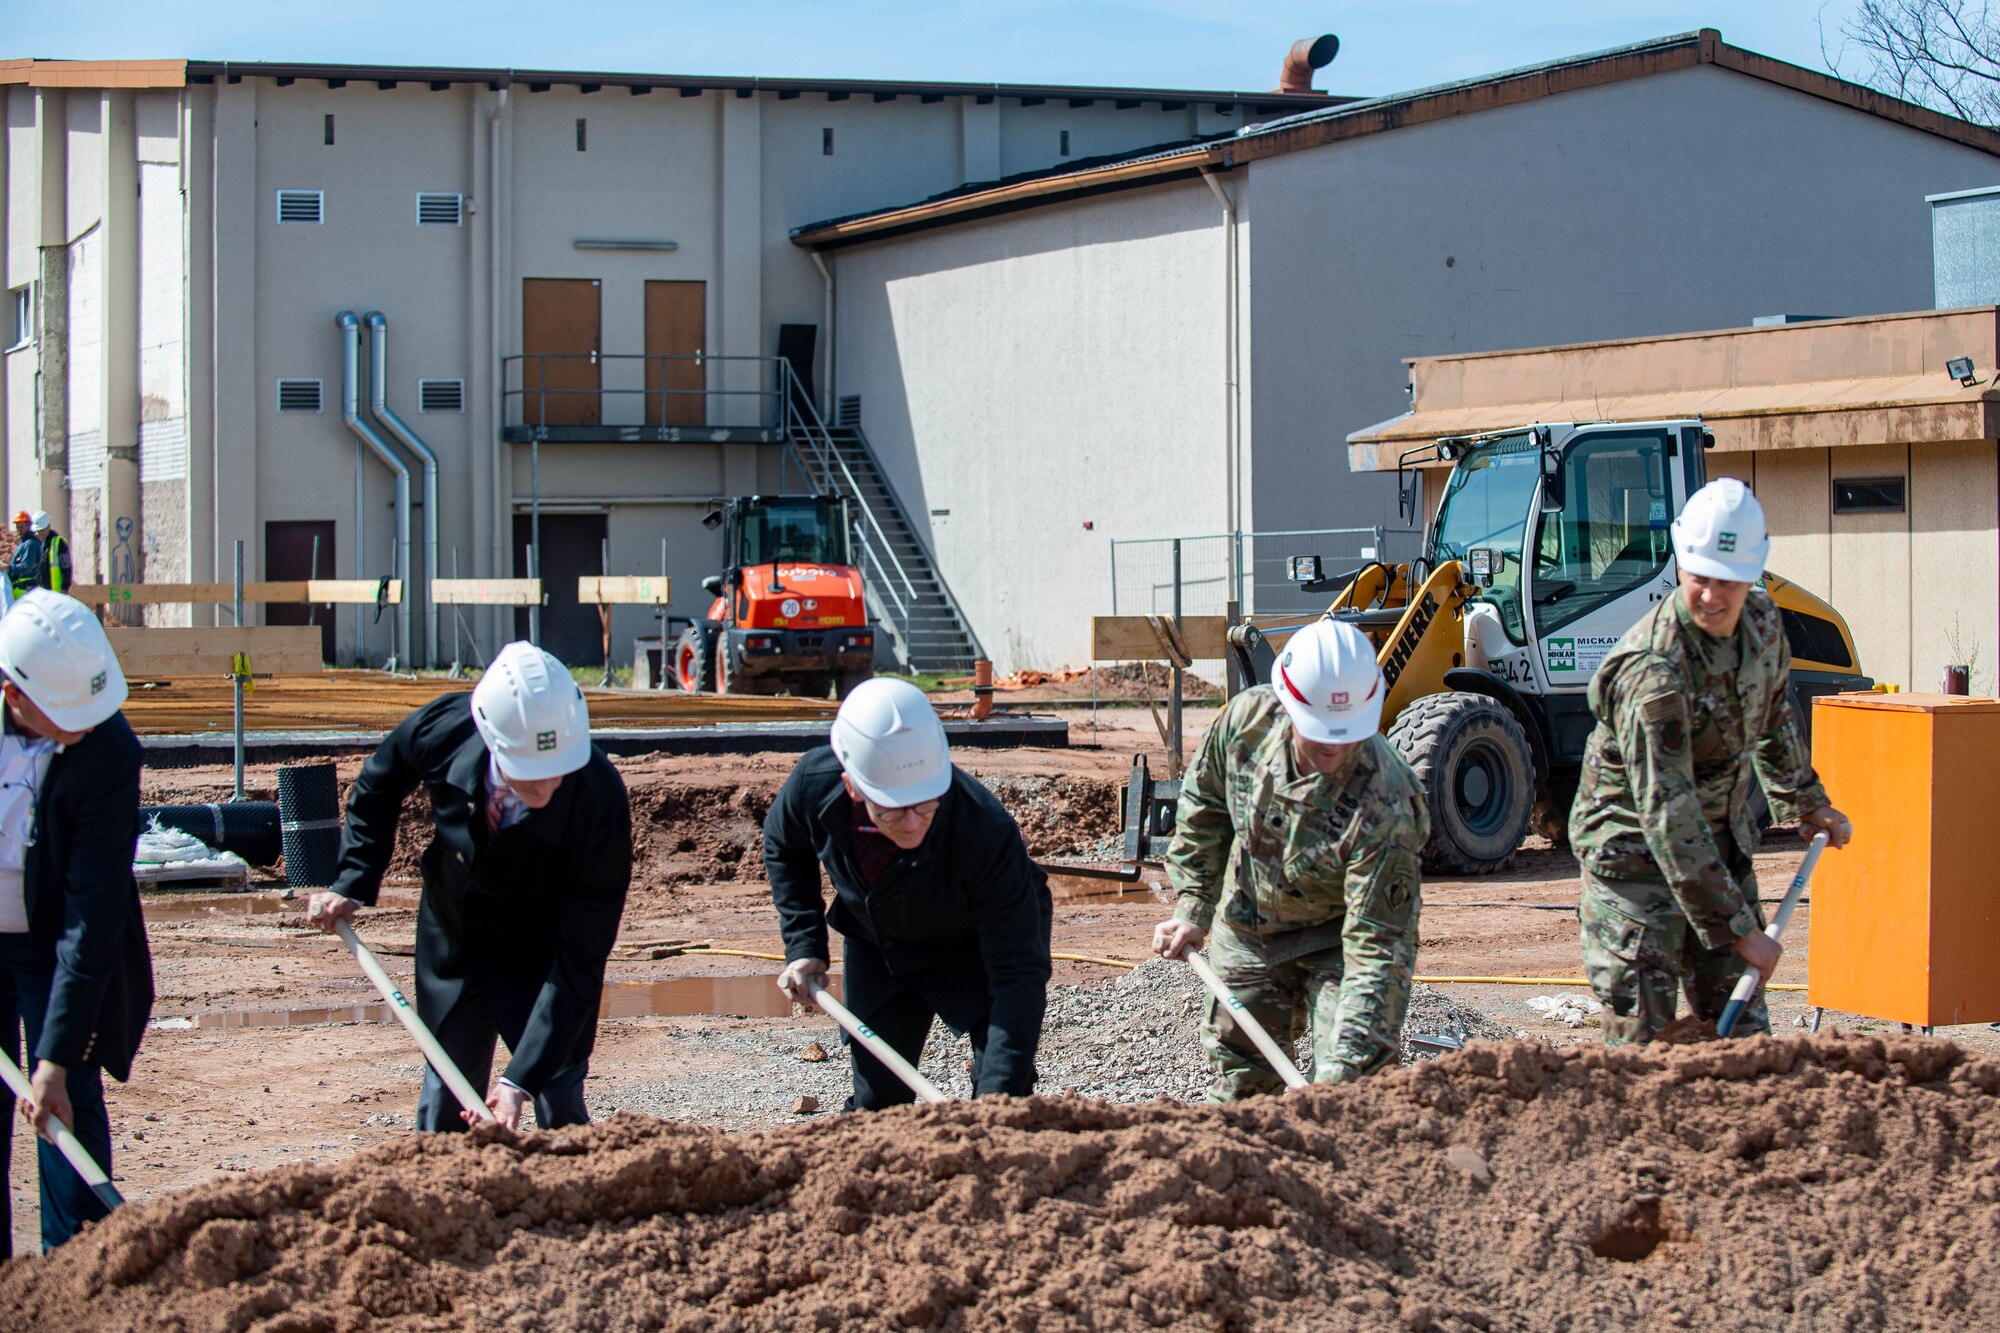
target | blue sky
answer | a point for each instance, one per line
(1386, 45)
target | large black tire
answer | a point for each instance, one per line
(692, 666)
(1478, 776)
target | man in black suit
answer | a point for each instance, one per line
(524, 882)
(941, 913)
(74, 969)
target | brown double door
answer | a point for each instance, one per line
(295, 551)
(676, 327)
(562, 337)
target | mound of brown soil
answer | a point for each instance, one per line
(1798, 1183)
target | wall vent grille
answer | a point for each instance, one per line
(299, 396)
(440, 210)
(440, 395)
(307, 207)
(847, 411)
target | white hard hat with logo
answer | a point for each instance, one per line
(40, 520)
(531, 715)
(56, 652)
(891, 745)
(1330, 684)
(1721, 533)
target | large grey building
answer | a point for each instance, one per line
(180, 237)
(1179, 342)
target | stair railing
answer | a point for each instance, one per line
(802, 416)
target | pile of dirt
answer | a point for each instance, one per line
(1806, 1182)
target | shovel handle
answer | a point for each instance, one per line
(70, 1146)
(926, 1090)
(407, 1015)
(1274, 1055)
(1748, 983)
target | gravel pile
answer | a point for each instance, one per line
(1135, 1039)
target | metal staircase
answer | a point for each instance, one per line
(907, 594)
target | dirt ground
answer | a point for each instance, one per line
(244, 1072)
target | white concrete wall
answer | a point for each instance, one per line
(1689, 200)
(1024, 377)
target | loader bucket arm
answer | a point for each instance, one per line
(1427, 642)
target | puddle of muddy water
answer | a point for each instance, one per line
(161, 909)
(673, 997)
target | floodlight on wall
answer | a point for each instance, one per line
(1960, 369)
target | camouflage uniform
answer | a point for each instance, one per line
(1321, 883)
(1663, 824)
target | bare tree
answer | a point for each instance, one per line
(1943, 54)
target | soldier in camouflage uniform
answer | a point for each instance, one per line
(1690, 702)
(1301, 822)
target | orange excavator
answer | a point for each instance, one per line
(789, 615)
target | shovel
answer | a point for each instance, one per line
(1272, 1052)
(1746, 987)
(926, 1090)
(404, 1012)
(72, 1147)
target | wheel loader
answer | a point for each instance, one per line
(1550, 541)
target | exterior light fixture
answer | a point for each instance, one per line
(1960, 369)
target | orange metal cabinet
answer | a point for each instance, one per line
(1905, 920)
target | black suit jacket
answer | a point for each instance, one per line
(968, 901)
(83, 904)
(535, 906)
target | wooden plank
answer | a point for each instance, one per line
(623, 590)
(317, 591)
(486, 592)
(1131, 638)
(160, 653)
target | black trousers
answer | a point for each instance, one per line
(487, 1012)
(898, 991)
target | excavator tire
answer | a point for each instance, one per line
(1472, 760)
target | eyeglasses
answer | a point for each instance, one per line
(901, 814)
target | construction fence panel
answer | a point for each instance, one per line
(1142, 570)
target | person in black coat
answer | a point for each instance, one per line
(524, 883)
(940, 910)
(75, 972)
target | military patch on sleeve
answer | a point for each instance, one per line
(1666, 713)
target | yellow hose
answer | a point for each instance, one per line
(1119, 962)
(1086, 958)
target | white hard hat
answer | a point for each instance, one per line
(531, 715)
(40, 520)
(891, 744)
(1329, 682)
(57, 653)
(1721, 534)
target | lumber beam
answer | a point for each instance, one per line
(486, 592)
(1134, 638)
(318, 592)
(623, 590)
(161, 653)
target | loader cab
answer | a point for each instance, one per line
(1564, 528)
(785, 529)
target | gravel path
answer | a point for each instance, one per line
(1134, 1039)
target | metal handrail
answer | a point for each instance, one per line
(792, 404)
(542, 392)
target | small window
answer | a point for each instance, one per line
(582, 131)
(440, 395)
(826, 141)
(1065, 143)
(440, 210)
(329, 129)
(1869, 495)
(20, 317)
(306, 207)
(298, 395)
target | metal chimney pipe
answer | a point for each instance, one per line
(378, 407)
(1307, 55)
(350, 414)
